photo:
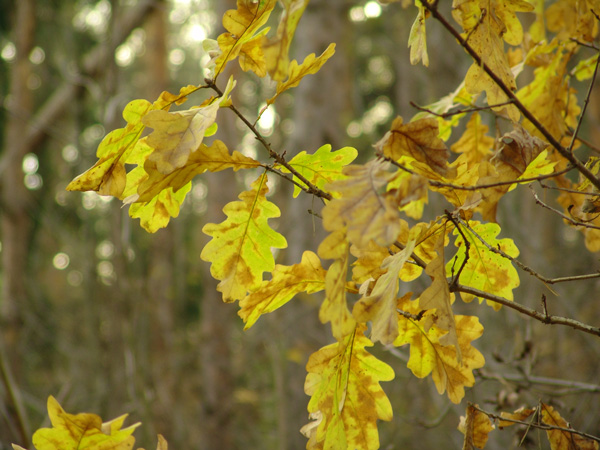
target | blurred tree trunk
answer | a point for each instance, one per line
(16, 221)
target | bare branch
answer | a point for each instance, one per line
(564, 216)
(460, 111)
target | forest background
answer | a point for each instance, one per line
(110, 319)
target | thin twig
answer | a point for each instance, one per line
(546, 381)
(467, 249)
(585, 105)
(460, 111)
(310, 188)
(548, 320)
(541, 426)
(522, 266)
(564, 216)
(432, 8)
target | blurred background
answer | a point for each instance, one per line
(112, 320)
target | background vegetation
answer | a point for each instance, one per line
(110, 319)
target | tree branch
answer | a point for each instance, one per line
(431, 6)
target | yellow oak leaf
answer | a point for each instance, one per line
(364, 207)
(177, 134)
(560, 439)
(322, 167)
(346, 397)
(244, 36)
(108, 175)
(476, 427)
(429, 356)
(573, 19)
(484, 269)
(213, 158)
(82, 431)
(240, 248)
(418, 140)
(296, 72)
(417, 39)
(335, 305)
(520, 414)
(287, 281)
(157, 212)
(518, 151)
(437, 296)
(475, 143)
(276, 50)
(379, 306)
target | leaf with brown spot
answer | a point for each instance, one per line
(476, 427)
(560, 439)
(287, 281)
(429, 356)
(418, 140)
(520, 414)
(346, 397)
(335, 305)
(241, 247)
(364, 207)
(379, 306)
(82, 431)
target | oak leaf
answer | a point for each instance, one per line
(321, 167)
(108, 175)
(82, 431)
(364, 207)
(561, 439)
(429, 356)
(296, 72)
(417, 38)
(276, 50)
(476, 427)
(240, 248)
(379, 306)
(157, 212)
(437, 296)
(484, 269)
(177, 134)
(418, 140)
(334, 308)
(244, 36)
(346, 397)
(287, 281)
(519, 415)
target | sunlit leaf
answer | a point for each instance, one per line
(321, 167)
(484, 269)
(429, 356)
(417, 39)
(476, 427)
(344, 384)
(287, 281)
(82, 431)
(241, 246)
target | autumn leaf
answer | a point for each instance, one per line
(177, 134)
(276, 50)
(437, 296)
(475, 143)
(334, 308)
(108, 175)
(429, 356)
(296, 72)
(287, 281)
(344, 384)
(213, 158)
(364, 207)
(476, 427)
(418, 140)
(82, 431)
(244, 36)
(561, 439)
(240, 249)
(417, 38)
(322, 167)
(157, 213)
(484, 269)
(519, 415)
(379, 306)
